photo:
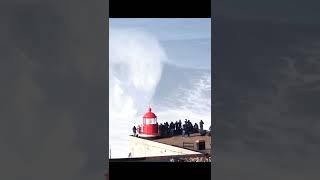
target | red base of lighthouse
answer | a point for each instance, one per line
(148, 135)
(151, 129)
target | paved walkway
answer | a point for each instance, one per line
(178, 140)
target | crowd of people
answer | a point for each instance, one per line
(177, 128)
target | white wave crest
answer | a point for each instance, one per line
(135, 67)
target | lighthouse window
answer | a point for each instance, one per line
(150, 121)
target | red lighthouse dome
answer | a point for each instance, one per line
(150, 125)
(149, 114)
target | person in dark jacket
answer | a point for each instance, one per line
(187, 128)
(190, 127)
(176, 128)
(139, 129)
(134, 129)
(188, 131)
(183, 130)
(196, 128)
(166, 129)
(160, 129)
(171, 128)
(201, 127)
(201, 124)
(179, 127)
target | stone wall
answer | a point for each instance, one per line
(139, 147)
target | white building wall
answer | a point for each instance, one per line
(139, 147)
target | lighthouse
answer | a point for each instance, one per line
(149, 126)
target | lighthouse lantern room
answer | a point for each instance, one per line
(150, 125)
